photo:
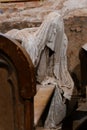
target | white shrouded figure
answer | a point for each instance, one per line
(47, 47)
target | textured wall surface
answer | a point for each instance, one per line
(30, 14)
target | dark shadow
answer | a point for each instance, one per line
(83, 126)
(68, 123)
(77, 115)
(76, 80)
(76, 76)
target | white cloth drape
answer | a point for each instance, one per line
(47, 47)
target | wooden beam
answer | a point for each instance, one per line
(2, 1)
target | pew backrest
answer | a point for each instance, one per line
(17, 86)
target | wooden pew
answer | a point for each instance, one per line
(17, 86)
(19, 109)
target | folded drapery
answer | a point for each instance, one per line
(47, 47)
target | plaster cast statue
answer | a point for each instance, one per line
(47, 46)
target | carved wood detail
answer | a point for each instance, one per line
(17, 87)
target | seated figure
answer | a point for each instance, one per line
(47, 47)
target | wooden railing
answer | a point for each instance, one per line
(17, 0)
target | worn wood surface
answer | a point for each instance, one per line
(23, 64)
(41, 99)
(17, 86)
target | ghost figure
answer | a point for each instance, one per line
(47, 46)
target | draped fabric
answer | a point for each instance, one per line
(47, 47)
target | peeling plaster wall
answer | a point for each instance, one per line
(31, 14)
(76, 30)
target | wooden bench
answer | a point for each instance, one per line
(19, 109)
(41, 100)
